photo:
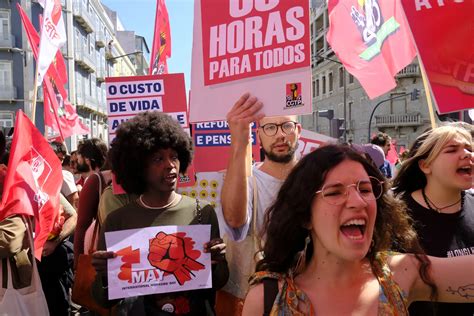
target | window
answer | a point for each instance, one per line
(79, 85)
(5, 75)
(90, 85)
(349, 110)
(6, 119)
(314, 88)
(77, 38)
(90, 43)
(341, 77)
(4, 24)
(324, 85)
(351, 79)
(330, 79)
(317, 87)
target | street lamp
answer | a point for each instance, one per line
(124, 55)
(344, 89)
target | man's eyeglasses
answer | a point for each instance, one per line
(337, 193)
(270, 129)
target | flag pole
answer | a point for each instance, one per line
(428, 94)
(35, 96)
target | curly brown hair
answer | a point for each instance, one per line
(286, 219)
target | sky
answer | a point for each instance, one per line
(139, 16)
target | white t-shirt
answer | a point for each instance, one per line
(267, 190)
(69, 185)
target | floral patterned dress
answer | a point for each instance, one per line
(290, 300)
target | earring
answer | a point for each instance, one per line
(301, 262)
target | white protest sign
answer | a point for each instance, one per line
(128, 96)
(310, 141)
(158, 259)
(256, 46)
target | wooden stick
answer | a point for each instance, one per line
(428, 95)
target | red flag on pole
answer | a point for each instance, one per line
(161, 49)
(372, 40)
(66, 121)
(33, 180)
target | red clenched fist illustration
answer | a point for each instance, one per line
(174, 254)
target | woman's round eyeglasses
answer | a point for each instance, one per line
(337, 193)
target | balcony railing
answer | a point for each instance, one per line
(8, 93)
(100, 38)
(7, 41)
(91, 102)
(100, 74)
(84, 60)
(412, 70)
(398, 120)
(83, 16)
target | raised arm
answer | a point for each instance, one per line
(453, 277)
(234, 191)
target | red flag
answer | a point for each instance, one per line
(444, 38)
(392, 155)
(372, 40)
(66, 121)
(33, 180)
(402, 150)
(161, 49)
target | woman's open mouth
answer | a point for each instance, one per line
(354, 229)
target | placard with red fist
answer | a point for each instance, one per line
(158, 260)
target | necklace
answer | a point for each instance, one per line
(176, 197)
(429, 203)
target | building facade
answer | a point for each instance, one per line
(92, 53)
(16, 65)
(336, 91)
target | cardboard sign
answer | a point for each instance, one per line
(310, 141)
(443, 37)
(158, 260)
(256, 46)
(208, 187)
(127, 96)
(212, 139)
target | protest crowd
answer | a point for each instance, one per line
(336, 229)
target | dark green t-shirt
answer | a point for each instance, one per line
(134, 216)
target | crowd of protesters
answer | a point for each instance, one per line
(335, 232)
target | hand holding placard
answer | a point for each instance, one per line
(241, 115)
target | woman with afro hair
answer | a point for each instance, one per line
(147, 156)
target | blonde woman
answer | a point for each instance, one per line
(433, 182)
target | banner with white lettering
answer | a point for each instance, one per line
(212, 139)
(127, 96)
(158, 259)
(256, 46)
